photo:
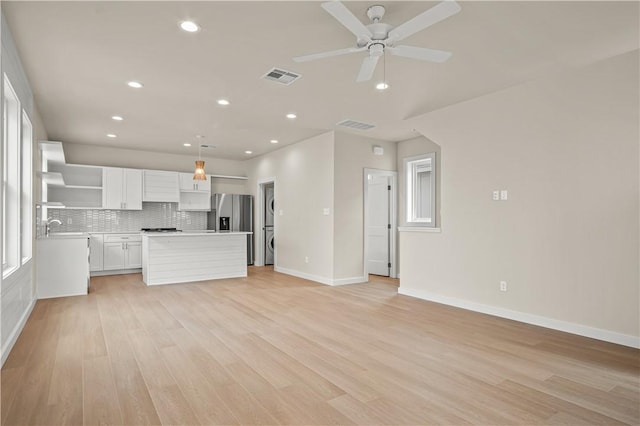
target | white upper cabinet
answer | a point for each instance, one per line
(194, 194)
(160, 186)
(122, 189)
(187, 184)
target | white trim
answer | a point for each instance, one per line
(418, 229)
(15, 333)
(351, 280)
(299, 274)
(319, 279)
(114, 272)
(565, 326)
(393, 218)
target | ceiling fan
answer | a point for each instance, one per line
(377, 37)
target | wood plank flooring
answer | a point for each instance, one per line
(274, 349)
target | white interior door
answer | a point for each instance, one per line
(378, 225)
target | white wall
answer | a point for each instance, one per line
(566, 242)
(17, 292)
(304, 187)
(119, 157)
(352, 155)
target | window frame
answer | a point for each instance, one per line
(412, 167)
(26, 185)
(11, 190)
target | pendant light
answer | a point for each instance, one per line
(199, 173)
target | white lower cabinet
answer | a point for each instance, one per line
(133, 255)
(122, 251)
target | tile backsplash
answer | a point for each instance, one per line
(152, 215)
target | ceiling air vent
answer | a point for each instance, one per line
(281, 76)
(356, 125)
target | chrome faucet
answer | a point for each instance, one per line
(47, 225)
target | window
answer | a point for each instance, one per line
(26, 209)
(420, 190)
(10, 179)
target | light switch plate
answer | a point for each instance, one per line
(281, 212)
(504, 196)
(326, 211)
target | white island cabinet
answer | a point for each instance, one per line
(179, 257)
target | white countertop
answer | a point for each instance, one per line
(64, 235)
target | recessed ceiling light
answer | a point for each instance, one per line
(273, 141)
(134, 84)
(117, 118)
(248, 152)
(189, 26)
(382, 86)
(186, 144)
(111, 135)
(200, 136)
(291, 116)
(223, 102)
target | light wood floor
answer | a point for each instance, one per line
(273, 349)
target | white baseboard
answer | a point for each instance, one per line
(351, 280)
(115, 272)
(319, 279)
(15, 333)
(568, 327)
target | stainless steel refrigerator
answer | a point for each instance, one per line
(233, 213)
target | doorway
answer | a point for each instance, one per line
(268, 215)
(266, 220)
(380, 222)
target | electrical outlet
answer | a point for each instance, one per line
(326, 211)
(503, 286)
(69, 221)
(306, 259)
(496, 195)
(504, 195)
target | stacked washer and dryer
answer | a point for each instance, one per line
(268, 225)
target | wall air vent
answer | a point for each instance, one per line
(281, 76)
(355, 125)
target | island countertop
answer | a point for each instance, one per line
(192, 233)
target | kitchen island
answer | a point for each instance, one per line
(179, 257)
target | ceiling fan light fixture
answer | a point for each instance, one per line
(382, 85)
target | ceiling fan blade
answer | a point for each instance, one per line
(420, 53)
(368, 67)
(425, 19)
(346, 18)
(314, 56)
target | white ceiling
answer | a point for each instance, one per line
(79, 56)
